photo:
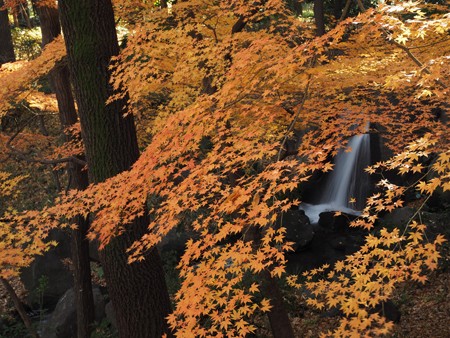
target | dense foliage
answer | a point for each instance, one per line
(219, 90)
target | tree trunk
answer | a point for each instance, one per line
(24, 14)
(138, 291)
(59, 80)
(6, 44)
(319, 17)
(280, 323)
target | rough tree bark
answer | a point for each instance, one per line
(60, 83)
(6, 44)
(138, 291)
(319, 17)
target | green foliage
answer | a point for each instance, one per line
(97, 270)
(39, 292)
(12, 328)
(307, 10)
(27, 42)
(170, 261)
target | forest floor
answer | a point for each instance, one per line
(425, 311)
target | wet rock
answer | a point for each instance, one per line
(298, 228)
(330, 221)
(398, 217)
(326, 247)
(339, 243)
(318, 252)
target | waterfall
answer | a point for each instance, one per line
(347, 180)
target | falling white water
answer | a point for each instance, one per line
(347, 181)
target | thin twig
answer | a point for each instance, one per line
(25, 156)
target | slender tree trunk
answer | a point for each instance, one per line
(280, 323)
(138, 291)
(338, 6)
(319, 17)
(59, 79)
(25, 14)
(19, 307)
(6, 44)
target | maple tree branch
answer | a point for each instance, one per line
(411, 219)
(213, 29)
(288, 110)
(361, 5)
(25, 156)
(417, 61)
(407, 50)
(19, 307)
(239, 25)
(19, 130)
(429, 44)
(294, 120)
(411, 56)
(345, 10)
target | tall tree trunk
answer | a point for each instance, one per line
(59, 80)
(138, 291)
(6, 44)
(319, 17)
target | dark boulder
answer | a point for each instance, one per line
(338, 243)
(298, 228)
(62, 323)
(48, 278)
(329, 220)
(398, 217)
(332, 241)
